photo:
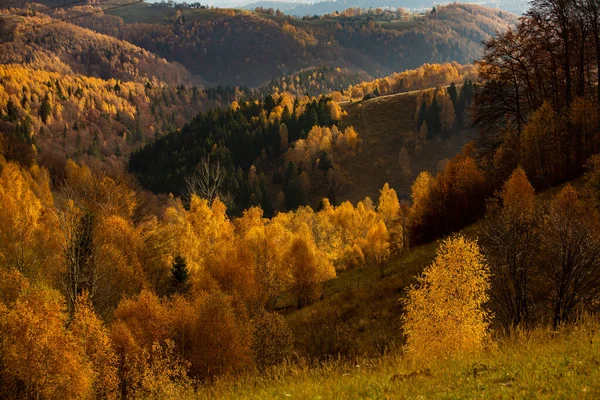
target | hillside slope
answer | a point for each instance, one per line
(539, 364)
(45, 43)
(386, 125)
(359, 312)
(97, 120)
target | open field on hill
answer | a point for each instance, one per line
(385, 125)
(538, 364)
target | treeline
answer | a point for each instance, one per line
(539, 103)
(536, 106)
(250, 49)
(100, 121)
(424, 77)
(316, 81)
(172, 4)
(188, 292)
(348, 85)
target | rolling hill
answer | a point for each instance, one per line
(75, 93)
(66, 48)
(242, 48)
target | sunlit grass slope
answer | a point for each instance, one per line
(538, 364)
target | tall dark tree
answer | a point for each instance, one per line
(45, 109)
(180, 275)
(11, 111)
(453, 93)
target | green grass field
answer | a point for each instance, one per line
(540, 364)
(401, 25)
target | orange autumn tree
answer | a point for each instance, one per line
(93, 337)
(148, 365)
(378, 246)
(444, 312)
(389, 206)
(40, 357)
(421, 201)
(309, 268)
(391, 212)
(25, 239)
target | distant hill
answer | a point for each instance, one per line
(230, 47)
(67, 48)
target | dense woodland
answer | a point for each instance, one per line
(251, 134)
(279, 152)
(101, 121)
(67, 48)
(108, 290)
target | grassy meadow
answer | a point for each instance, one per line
(537, 364)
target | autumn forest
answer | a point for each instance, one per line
(205, 202)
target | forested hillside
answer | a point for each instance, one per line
(244, 142)
(66, 48)
(229, 47)
(315, 81)
(74, 93)
(289, 151)
(92, 119)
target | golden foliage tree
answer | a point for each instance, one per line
(309, 268)
(220, 337)
(444, 313)
(40, 357)
(388, 206)
(94, 338)
(26, 241)
(541, 148)
(378, 246)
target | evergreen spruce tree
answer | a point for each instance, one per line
(180, 275)
(11, 111)
(45, 109)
